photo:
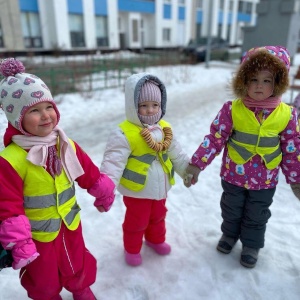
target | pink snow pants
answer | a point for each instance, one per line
(63, 263)
(143, 217)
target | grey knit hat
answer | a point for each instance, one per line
(150, 91)
(19, 91)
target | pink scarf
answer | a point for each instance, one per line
(41, 148)
(271, 102)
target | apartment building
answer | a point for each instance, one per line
(119, 24)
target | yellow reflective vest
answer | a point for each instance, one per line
(249, 137)
(135, 174)
(48, 201)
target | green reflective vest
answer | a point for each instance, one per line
(135, 174)
(47, 200)
(249, 137)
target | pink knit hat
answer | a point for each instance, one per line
(278, 51)
(19, 91)
(150, 92)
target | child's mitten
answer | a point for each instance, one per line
(103, 190)
(296, 189)
(15, 235)
(192, 174)
(105, 203)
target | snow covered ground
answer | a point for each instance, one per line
(194, 269)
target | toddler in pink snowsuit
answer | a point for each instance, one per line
(39, 215)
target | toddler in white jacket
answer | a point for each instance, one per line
(141, 157)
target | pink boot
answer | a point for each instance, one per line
(85, 294)
(161, 249)
(133, 259)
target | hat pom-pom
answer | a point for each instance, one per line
(11, 67)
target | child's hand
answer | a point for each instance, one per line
(24, 254)
(104, 205)
(296, 189)
(103, 190)
(188, 180)
(101, 208)
(15, 235)
(192, 174)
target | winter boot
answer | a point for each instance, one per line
(226, 244)
(133, 259)
(85, 294)
(249, 257)
(161, 249)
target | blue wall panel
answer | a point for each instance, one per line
(244, 17)
(28, 5)
(100, 7)
(75, 6)
(136, 6)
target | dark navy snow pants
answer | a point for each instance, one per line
(245, 213)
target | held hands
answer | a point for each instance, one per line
(192, 174)
(15, 235)
(103, 190)
(104, 205)
(296, 189)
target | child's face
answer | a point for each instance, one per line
(261, 86)
(148, 108)
(40, 119)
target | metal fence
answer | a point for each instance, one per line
(94, 74)
(87, 73)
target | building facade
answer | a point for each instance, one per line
(119, 24)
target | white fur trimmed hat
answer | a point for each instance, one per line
(19, 91)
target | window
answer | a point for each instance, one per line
(245, 7)
(135, 31)
(249, 8)
(166, 34)
(31, 30)
(76, 30)
(221, 4)
(101, 31)
(181, 2)
(199, 4)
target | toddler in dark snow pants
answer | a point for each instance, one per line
(259, 135)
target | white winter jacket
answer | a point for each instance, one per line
(118, 150)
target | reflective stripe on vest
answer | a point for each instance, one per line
(135, 174)
(47, 200)
(249, 137)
